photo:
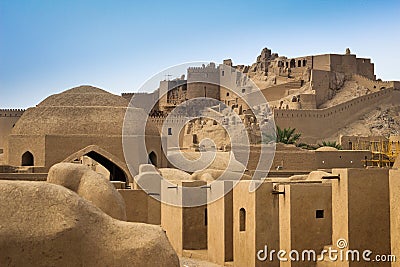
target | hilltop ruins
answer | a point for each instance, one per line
(338, 180)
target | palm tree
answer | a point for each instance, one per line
(287, 135)
(331, 144)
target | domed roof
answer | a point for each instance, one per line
(83, 110)
(85, 96)
(326, 148)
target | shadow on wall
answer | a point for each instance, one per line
(110, 162)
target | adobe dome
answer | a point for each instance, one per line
(86, 96)
(83, 110)
(326, 148)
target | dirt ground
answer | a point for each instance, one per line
(190, 262)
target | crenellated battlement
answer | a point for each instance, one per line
(209, 68)
(308, 122)
(159, 121)
(11, 112)
(360, 77)
(136, 93)
(156, 118)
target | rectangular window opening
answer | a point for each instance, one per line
(319, 214)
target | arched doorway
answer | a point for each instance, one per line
(153, 158)
(292, 63)
(116, 173)
(113, 165)
(27, 159)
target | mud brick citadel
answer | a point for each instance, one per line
(334, 181)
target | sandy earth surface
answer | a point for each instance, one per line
(384, 120)
(349, 91)
(190, 262)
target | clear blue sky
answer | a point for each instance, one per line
(48, 46)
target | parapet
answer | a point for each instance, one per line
(209, 68)
(367, 82)
(11, 112)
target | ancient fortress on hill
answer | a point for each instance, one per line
(318, 95)
(93, 182)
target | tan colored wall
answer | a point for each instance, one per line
(136, 204)
(171, 222)
(361, 212)
(195, 228)
(316, 125)
(307, 160)
(141, 207)
(8, 118)
(202, 89)
(145, 101)
(295, 160)
(185, 227)
(320, 83)
(153, 210)
(321, 62)
(343, 63)
(175, 124)
(347, 64)
(18, 145)
(394, 188)
(58, 148)
(262, 223)
(365, 68)
(308, 101)
(299, 228)
(220, 222)
(51, 149)
(341, 159)
(372, 84)
(244, 242)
